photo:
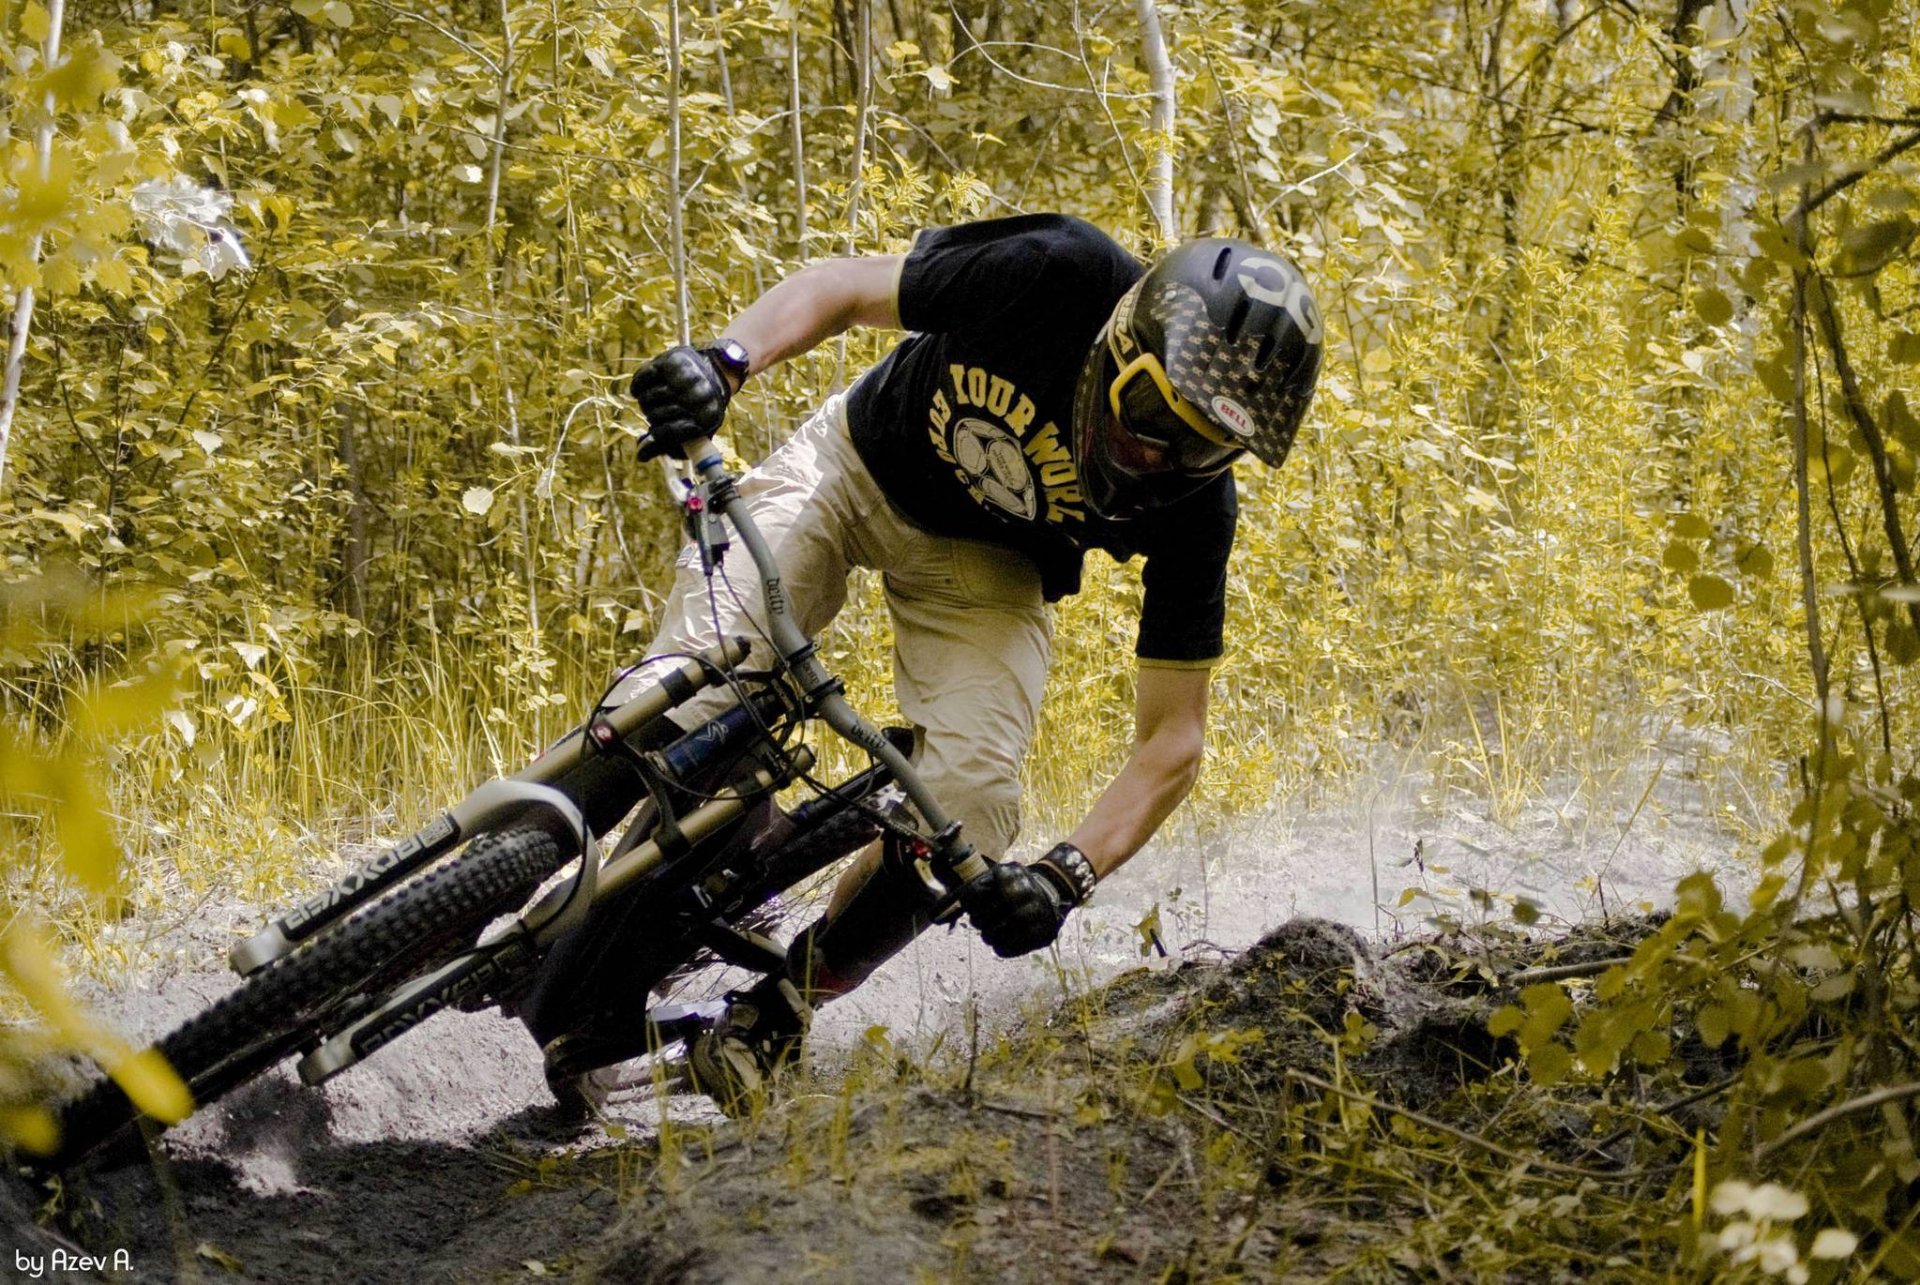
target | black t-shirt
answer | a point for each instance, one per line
(965, 423)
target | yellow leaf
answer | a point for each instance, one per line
(41, 198)
(113, 276)
(35, 23)
(68, 522)
(30, 1128)
(31, 967)
(153, 1086)
(16, 261)
(124, 707)
(59, 274)
(78, 83)
(87, 847)
(214, 1254)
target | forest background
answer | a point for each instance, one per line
(1613, 443)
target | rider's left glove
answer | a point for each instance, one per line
(1018, 909)
(684, 395)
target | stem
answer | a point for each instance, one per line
(23, 304)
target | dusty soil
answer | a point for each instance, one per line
(1075, 1116)
(1108, 1137)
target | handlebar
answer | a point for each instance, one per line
(952, 854)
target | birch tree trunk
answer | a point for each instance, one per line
(23, 304)
(1160, 171)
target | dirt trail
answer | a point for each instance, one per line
(929, 1140)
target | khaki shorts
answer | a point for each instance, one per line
(969, 624)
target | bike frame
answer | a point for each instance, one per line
(614, 734)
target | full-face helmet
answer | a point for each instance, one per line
(1211, 355)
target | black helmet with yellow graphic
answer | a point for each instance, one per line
(1212, 354)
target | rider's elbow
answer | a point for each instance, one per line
(855, 292)
(1175, 757)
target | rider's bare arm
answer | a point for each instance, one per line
(817, 303)
(1169, 731)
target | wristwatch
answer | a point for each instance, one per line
(731, 355)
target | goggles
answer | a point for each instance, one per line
(1155, 430)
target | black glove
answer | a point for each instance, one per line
(1018, 909)
(684, 395)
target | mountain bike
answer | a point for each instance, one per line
(704, 846)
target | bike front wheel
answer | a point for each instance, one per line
(417, 925)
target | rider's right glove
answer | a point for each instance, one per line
(684, 395)
(1019, 909)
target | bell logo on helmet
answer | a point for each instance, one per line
(1233, 415)
(1269, 281)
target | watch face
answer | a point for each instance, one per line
(733, 354)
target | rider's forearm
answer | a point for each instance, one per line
(1157, 776)
(815, 304)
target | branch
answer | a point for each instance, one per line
(1814, 1123)
(1815, 200)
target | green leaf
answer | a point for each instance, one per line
(1867, 250)
(1903, 644)
(1696, 897)
(1690, 526)
(1710, 593)
(1754, 561)
(1713, 307)
(1693, 240)
(1680, 556)
(1549, 1064)
(1713, 1026)
(1904, 348)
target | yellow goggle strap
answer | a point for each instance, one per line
(1149, 364)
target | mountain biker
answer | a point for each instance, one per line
(1053, 395)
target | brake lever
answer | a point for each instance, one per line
(704, 527)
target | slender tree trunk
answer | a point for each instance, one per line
(863, 78)
(23, 304)
(799, 143)
(496, 271)
(1160, 170)
(357, 551)
(720, 44)
(676, 208)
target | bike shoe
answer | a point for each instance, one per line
(584, 1096)
(738, 1059)
(582, 1069)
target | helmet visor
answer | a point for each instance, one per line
(1154, 430)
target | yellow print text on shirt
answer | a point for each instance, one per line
(983, 426)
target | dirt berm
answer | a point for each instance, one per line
(1208, 1122)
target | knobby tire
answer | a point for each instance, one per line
(418, 925)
